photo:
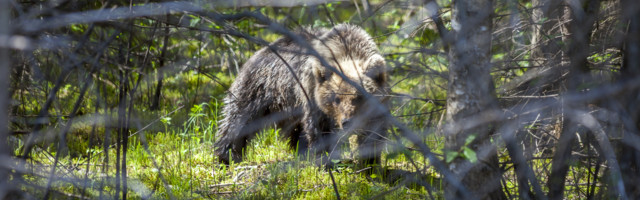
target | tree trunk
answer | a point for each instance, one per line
(549, 61)
(155, 105)
(548, 34)
(470, 95)
(5, 66)
(630, 156)
(580, 29)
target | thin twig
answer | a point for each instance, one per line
(335, 187)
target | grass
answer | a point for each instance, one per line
(179, 162)
(269, 170)
(175, 158)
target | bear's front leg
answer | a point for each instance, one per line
(239, 125)
(323, 143)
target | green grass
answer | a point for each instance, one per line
(179, 162)
(174, 158)
(269, 170)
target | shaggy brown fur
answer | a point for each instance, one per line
(312, 106)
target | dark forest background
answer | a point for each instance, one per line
(491, 99)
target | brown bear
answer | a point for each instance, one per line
(284, 85)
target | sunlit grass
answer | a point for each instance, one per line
(182, 158)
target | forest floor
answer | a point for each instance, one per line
(179, 163)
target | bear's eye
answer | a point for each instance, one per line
(336, 100)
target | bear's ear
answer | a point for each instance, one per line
(321, 73)
(379, 77)
(377, 72)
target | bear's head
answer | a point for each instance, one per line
(352, 52)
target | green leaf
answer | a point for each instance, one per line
(166, 120)
(469, 139)
(470, 154)
(450, 155)
(194, 21)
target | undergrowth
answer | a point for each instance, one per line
(178, 162)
